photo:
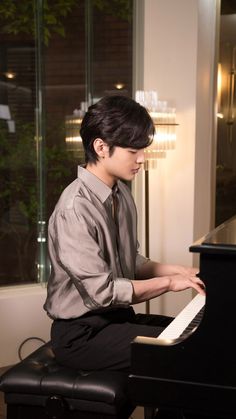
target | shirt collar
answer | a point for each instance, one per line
(99, 188)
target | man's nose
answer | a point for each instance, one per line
(140, 157)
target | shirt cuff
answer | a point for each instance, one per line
(123, 291)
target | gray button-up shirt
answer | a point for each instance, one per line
(92, 260)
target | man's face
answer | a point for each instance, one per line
(123, 163)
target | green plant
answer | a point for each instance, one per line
(19, 16)
(119, 8)
(19, 198)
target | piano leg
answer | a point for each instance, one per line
(150, 413)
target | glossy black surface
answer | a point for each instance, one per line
(197, 374)
(221, 239)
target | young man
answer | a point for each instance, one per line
(97, 272)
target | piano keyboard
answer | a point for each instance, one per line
(185, 322)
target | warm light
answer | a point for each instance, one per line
(164, 140)
(73, 138)
(219, 79)
(72, 129)
(119, 86)
(219, 90)
(10, 75)
(164, 119)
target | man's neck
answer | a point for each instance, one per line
(98, 170)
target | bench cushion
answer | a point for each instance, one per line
(38, 377)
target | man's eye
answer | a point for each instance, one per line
(132, 151)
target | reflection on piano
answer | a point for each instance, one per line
(194, 371)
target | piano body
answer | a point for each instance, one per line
(196, 373)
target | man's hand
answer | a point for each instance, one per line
(174, 278)
(180, 282)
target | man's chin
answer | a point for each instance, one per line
(128, 178)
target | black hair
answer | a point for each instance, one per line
(118, 121)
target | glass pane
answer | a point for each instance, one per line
(64, 94)
(226, 127)
(56, 58)
(18, 197)
(111, 49)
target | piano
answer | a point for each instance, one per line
(193, 372)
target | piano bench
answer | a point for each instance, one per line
(39, 388)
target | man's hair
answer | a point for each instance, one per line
(118, 121)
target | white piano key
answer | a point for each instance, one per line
(183, 319)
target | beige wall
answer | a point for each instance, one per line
(179, 61)
(21, 317)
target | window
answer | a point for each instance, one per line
(79, 52)
(226, 131)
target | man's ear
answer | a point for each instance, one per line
(100, 147)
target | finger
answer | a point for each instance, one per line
(197, 280)
(200, 288)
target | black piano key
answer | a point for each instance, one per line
(193, 324)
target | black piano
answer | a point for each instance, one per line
(194, 375)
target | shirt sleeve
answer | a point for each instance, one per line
(140, 259)
(79, 254)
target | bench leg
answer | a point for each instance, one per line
(12, 411)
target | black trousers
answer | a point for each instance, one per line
(102, 341)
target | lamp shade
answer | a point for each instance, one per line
(164, 119)
(72, 131)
